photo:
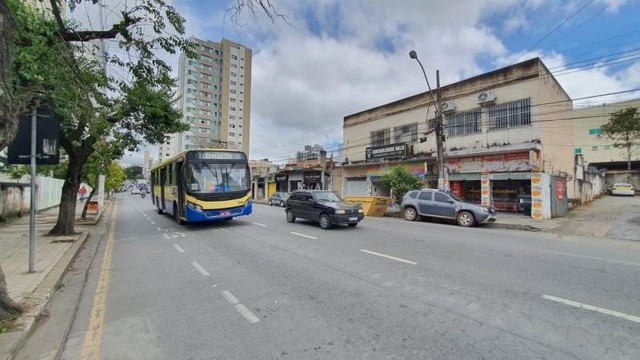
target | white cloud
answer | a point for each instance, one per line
(307, 78)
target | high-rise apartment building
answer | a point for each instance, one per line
(215, 98)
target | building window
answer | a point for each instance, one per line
(232, 134)
(381, 137)
(578, 151)
(607, 147)
(511, 114)
(594, 148)
(464, 123)
(406, 133)
(595, 131)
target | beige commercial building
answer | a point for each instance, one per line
(508, 138)
(215, 98)
(596, 148)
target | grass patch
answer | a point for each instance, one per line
(6, 325)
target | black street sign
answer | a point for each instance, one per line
(47, 142)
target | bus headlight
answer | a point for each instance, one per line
(195, 206)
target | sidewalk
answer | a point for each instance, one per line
(52, 256)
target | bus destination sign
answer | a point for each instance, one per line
(216, 155)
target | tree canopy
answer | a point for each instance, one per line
(399, 181)
(624, 128)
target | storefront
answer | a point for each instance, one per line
(498, 179)
(281, 182)
(366, 180)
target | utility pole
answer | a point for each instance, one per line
(439, 134)
(439, 124)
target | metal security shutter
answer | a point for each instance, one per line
(356, 187)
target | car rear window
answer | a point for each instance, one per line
(412, 194)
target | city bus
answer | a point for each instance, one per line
(202, 185)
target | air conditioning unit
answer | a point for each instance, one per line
(448, 106)
(486, 97)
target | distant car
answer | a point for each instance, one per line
(322, 206)
(278, 198)
(623, 189)
(135, 191)
(440, 204)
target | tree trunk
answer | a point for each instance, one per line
(8, 119)
(7, 306)
(8, 130)
(67, 213)
(628, 156)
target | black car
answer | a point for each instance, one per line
(322, 206)
(278, 198)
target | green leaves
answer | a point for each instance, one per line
(399, 181)
(624, 128)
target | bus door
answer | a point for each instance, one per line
(163, 182)
(180, 185)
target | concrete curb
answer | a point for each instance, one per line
(36, 304)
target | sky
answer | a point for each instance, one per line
(326, 59)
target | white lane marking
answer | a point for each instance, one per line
(183, 235)
(224, 230)
(250, 316)
(303, 235)
(247, 313)
(159, 229)
(200, 269)
(389, 257)
(230, 298)
(153, 222)
(215, 285)
(593, 308)
(178, 248)
(174, 236)
(593, 257)
(255, 223)
(167, 236)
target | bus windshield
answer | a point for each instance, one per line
(215, 177)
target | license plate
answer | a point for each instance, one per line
(353, 218)
(225, 213)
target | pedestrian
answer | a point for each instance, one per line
(82, 192)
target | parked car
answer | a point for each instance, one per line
(440, 204)
(322, 206)
(135, 191)
(278, 198)
(623, 189)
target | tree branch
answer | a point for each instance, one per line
(117, 29)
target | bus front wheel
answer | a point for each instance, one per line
(176, 215)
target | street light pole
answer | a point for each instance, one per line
(439, 128)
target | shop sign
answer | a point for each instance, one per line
(560, 189)
(536, 196)
(485, 190)
(311, 178)
(491, 163)
(386, 151)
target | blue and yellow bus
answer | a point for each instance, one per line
(203, 185)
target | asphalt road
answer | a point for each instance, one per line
(258, 287)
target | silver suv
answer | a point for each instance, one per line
(440, 204)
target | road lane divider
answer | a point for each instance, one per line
(389, 257)
(199, 268)
(579, 305)
(255, 223)
(178, 248)
(91, 345)
(243, 310)
(303, 235)
(159, 228)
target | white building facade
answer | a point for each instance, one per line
(215, 99)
